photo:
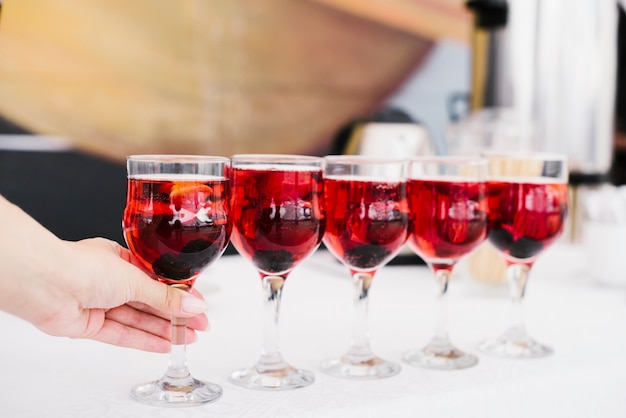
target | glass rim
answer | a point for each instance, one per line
(274, 157)
(451, 159)
(176, 158)
(363, 159)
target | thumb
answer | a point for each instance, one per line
(167, 299)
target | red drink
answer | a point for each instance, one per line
(177, 227)
(525, 217)
(448, 218)
(278, 220)
(367, 221)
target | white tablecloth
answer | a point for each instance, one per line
(44, 376)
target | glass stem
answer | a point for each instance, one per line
(177, 368)
(440, 330)
(360, 350)
(517, 276)
(271, 358)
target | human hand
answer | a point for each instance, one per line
(92, 288)
(111, 300)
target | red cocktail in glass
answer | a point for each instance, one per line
(448, 206)
(279, 220)
(366, 226)
(528, 205)
(177, 222)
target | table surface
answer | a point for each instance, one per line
(44, 376)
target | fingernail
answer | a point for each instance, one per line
(193, 305)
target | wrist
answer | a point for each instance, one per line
(30, 261)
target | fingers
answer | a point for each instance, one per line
(199, 322)
(114, 333)
(140, 320)
(138, 308)
(166, 299)
(127, 327)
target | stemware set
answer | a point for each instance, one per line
(182, 211)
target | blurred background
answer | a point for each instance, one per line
(85, 83)
(210, 76)
(97, 80)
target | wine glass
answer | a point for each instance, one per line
(177, 222)
(278, 221)
(448, 219)
(528, 205)
(366, 226)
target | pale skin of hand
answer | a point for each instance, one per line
(92, 288)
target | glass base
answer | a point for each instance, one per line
(373, 368)
(444, 357)
(284, 378)
(176, 392)
(508, 347)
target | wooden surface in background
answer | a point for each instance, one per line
(117, 77)
(431, 19)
